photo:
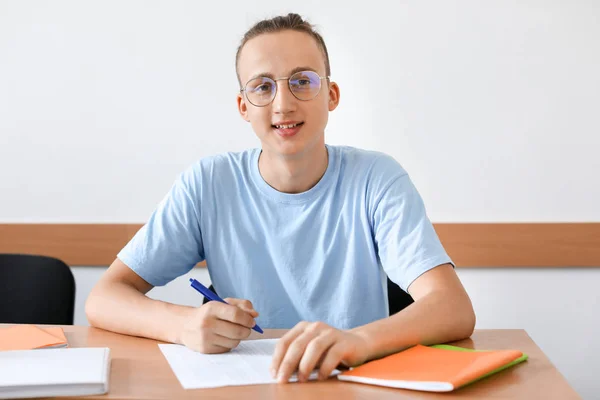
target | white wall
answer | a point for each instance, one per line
(491, 107)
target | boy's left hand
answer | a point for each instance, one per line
(315, 344)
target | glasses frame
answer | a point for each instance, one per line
(243, 90)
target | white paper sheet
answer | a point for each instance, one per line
(247, 364)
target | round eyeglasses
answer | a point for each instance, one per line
(304, 85)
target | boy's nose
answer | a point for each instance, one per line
(284, 101)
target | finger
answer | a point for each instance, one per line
(211, 349)
(225, 342)
(251, 311)
(207, 345)
(332, 359)
(283, 344)
(245, 305)
(230, 313)
(293, 355)
(229, 329)
(315, 351)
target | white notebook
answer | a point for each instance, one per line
(54, 372)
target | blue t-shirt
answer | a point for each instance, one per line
(320, 255)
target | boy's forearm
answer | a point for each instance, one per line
(436, 318)
(121, 308)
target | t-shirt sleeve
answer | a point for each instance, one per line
(406, 241)
(170, 243)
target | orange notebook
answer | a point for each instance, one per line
(27, 337)
(439, 368)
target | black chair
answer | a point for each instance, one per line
(36, 290)
(398, 299)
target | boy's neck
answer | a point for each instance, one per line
(293, 174)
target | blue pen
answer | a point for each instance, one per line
(209, 294)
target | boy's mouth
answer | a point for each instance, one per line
(287, 129)
(287, 125)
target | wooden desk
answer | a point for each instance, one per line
(140, 371)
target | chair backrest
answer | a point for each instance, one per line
(36, 290)
(398, 299)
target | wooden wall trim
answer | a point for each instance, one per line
(469, 245)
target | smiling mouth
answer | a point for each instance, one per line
(287, 126)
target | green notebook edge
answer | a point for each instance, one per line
(519, 360)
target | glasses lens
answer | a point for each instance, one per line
(305, 85)
(260, 91)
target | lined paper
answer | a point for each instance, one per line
(247, 364)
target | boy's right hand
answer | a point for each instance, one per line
(217, 327)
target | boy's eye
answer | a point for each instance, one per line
(302, 84)
(262, 88)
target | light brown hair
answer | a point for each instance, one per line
(292, 22)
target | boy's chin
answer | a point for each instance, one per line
(287, 149)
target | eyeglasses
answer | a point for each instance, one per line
(304, 85)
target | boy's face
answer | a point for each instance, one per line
(278, 55)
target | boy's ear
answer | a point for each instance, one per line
(334, 96)
(242, 107)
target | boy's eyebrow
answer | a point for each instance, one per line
(292, 72)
